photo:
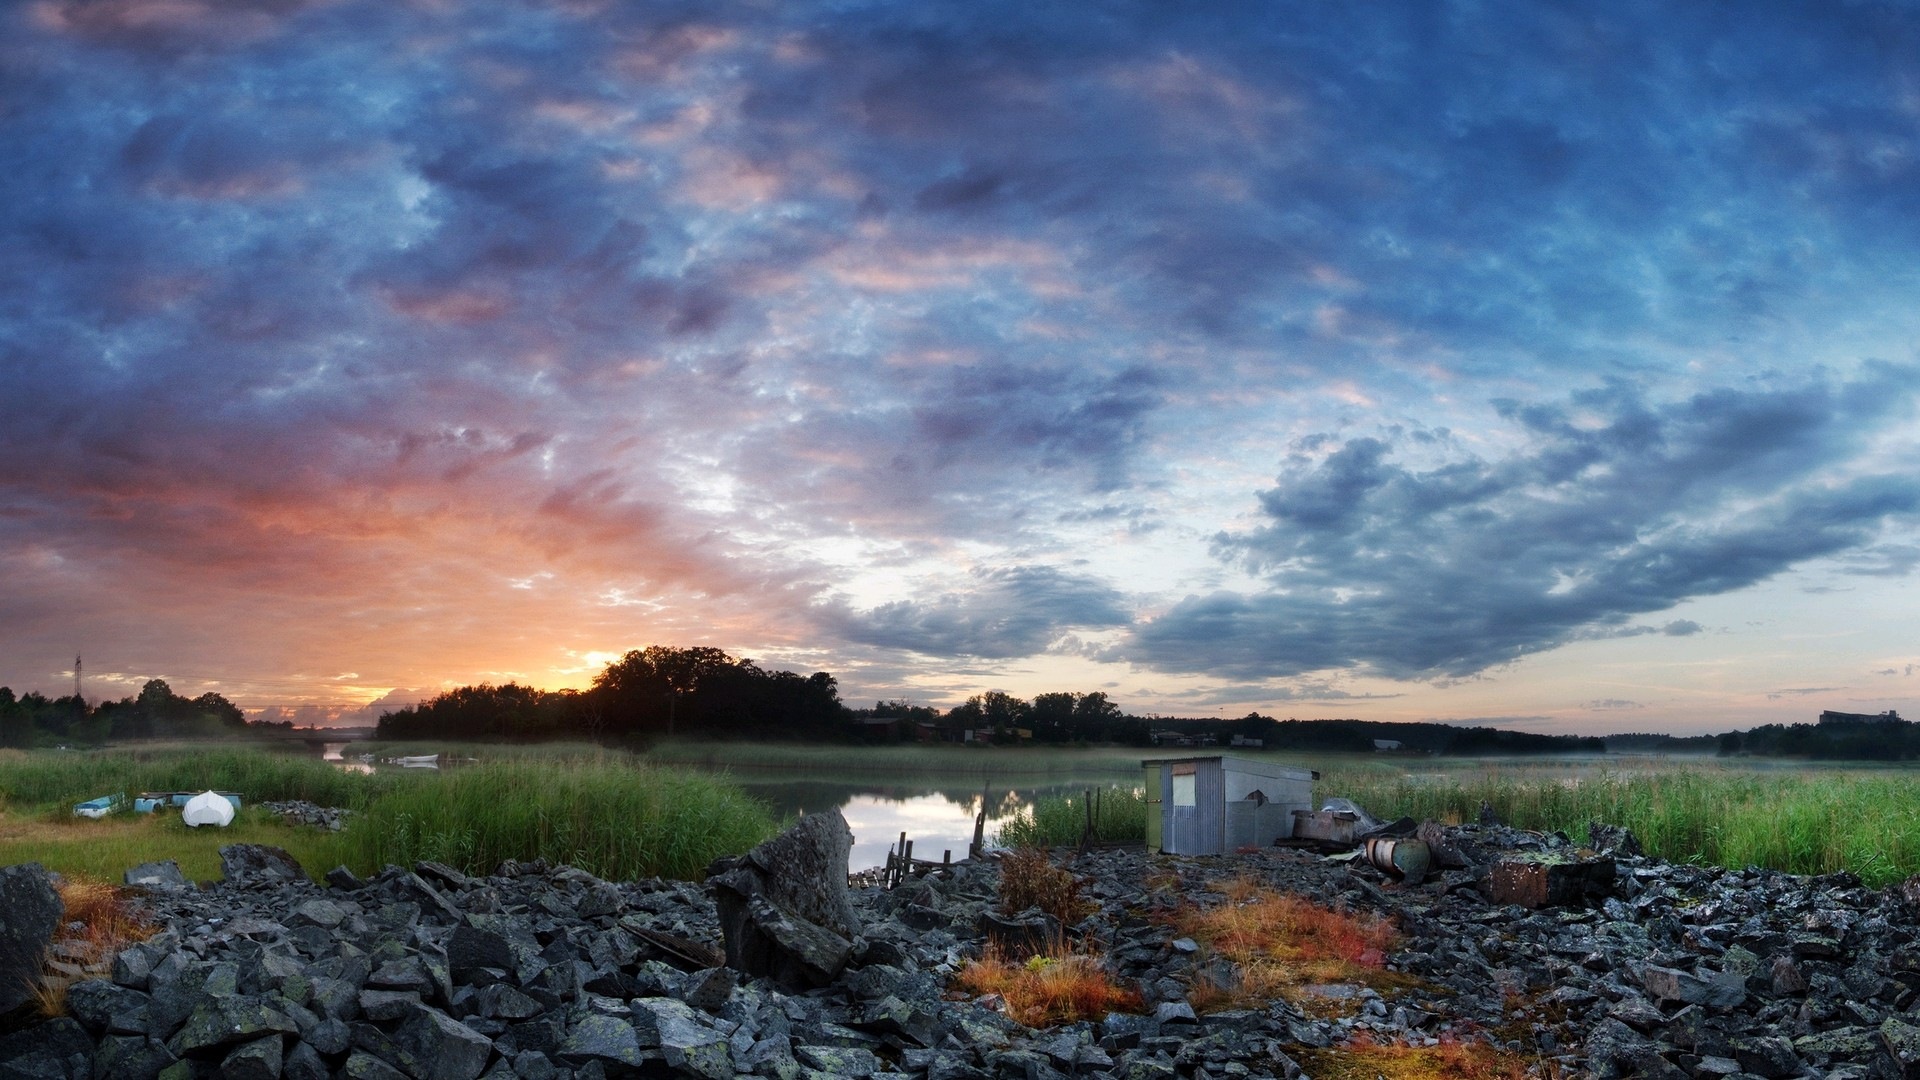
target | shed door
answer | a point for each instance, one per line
(1150, 791)
(1196, 808)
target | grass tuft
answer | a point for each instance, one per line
(1277, 944)
(1364, 1058)
(1041, 991)
(98, 921)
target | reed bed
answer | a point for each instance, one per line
(616, 821)
(1808, 821)
(46, 780)
(582, 806)
(1120, 816)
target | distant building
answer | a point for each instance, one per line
(1250, 743)
(1888, 717)
(1387, 744)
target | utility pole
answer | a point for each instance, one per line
(76, 681)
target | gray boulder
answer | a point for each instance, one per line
(33, 911)
(259, 864)
(783, 907)
(159, 877)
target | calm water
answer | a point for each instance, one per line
(936, 815)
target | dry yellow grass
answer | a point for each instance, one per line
(1279, 944)
(98, 921)
(1363, 1059)
(1046, 990)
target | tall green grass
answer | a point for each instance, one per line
(587, 808)
(617, 821)
(1120, 814)
(47, 779)
(1813, 821)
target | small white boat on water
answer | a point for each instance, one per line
(417, 761)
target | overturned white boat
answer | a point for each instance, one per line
(208, 808)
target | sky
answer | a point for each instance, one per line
(1544, 365)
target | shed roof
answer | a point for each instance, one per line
(1250, 766)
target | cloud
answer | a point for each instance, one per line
(1009, 612)
(1612, 703)
(1801, 691)
(1609, 506)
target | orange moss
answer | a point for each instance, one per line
(1278, 943)
(1365, 1059)
(1047, 990)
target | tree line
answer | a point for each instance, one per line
(33, 719)
(648, 693)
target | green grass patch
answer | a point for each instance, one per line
(1815, 820)
(585, 807)
(615, 820)
(1119, 814)
(46, 780)
(103, 850)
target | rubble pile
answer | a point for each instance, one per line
(543, 972)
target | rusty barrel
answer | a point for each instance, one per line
(1402, 858)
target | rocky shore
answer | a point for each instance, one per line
(543, 972)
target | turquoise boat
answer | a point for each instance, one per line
(100, 807)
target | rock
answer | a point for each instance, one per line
(322, 913)
(784, 909)
(1902, 1042)
(1022, 935)
(1667, 984)
(131, 1057)
(222, 1021)
(805, 870)
(56, 1049)
(1771, 1056)
(1616, 840)
(361, 1065)
(108, 1008)
(1538, 882)
(260, 1059)
(259, 864)
(438, 1047)
(345, 880)
(33, 912)
(687, 1044)
(595, 1038)
(160, 877)
(851, 1062)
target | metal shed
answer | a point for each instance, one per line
(1216, 804)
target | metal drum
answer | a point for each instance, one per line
(1409, 859)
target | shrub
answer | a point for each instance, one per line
(1028, 879)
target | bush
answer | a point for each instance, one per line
(1028, 879)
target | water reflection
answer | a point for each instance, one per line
(334, 754)
(936, 815)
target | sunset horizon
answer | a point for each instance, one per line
(1546, 370)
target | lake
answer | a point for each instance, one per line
(937, 815)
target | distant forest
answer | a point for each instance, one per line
(705, 693)
(701, 692)
(156, 713)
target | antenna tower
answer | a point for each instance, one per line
(76, 680)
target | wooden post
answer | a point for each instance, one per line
(978, 848)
